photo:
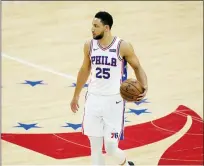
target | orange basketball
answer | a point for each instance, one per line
(130, 89)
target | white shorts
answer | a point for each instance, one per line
(103, 116)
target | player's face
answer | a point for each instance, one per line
(98, 29)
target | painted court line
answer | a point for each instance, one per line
(38, 66)
(171, 131)
(66, 140)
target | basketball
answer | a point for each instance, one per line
(130, 89)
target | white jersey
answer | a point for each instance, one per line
(108, 69)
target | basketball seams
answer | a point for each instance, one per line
(135, 87)
(128, 98)
(130, 90)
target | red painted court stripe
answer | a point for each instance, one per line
(188, 150)
(135, 136)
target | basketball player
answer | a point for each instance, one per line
(105, 58)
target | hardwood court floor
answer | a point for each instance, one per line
(44, 41)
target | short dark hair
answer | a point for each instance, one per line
(105, 17)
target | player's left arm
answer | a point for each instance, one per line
(127, 52)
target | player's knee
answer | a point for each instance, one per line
(110, 147)
(96, 145)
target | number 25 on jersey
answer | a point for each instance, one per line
(102, 73)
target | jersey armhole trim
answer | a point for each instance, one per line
(118, 50)
(90, 48)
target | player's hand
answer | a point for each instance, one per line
(74, 104)
(141, 96)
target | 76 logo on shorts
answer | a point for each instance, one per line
(114, 135)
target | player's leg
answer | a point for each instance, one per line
(118, 154)
(92, 126)
(113, 127)
(96, 150)
(112, 149)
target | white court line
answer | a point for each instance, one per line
(38, 66)
(193, 117)
(66, 140)
(171, 131)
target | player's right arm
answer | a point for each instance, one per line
(82, 77)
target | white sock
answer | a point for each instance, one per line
(96, 151)
(113, 150)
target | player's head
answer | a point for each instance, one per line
(102, 23)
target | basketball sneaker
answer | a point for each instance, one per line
(130, 163)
